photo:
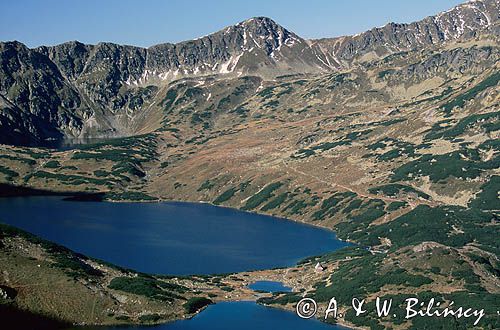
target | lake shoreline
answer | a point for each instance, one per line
(283, 268)
(78, 196)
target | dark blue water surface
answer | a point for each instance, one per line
(240, 316)
(180, 238)
(170, 237)
(269, 286)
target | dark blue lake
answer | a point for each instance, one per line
(269, 286)
(170, 237)
(242, 315)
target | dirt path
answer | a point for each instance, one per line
(412, 203)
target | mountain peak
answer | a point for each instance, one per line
(259, 20)
(262, 26)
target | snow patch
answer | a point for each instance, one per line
(229, 66)
(324, 63)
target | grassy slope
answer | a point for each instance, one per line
(50, 284)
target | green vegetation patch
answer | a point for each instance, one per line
(276, 202)
(394, 206)
(359, 277)
(262, 196)
(395, 189)
(353, 205)
(130, 196)
(229, 193)
(336, 80)
(34, 153)
(101, 173)
(9, 174)
(449, 225)
(324, 146)
(399, 148)
(488, 198)
(168, 100)
(280, 298)
(440, 96)
(148, 287)
(241, 111)
(70, 178)
(194, 304)
(384, 73)
(52, 164)
(460, 100)
(128, 154)
(362, 274)
(345, 253)
(150, 318)
(27, 161)
(487, 122)
(206, 185)
(358, 222)
(225, 196)
(296, 206)
(330, 206)
(461, 164)
(114, 155)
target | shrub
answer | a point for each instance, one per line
(261, 196)
(145, 286)
(150, 318)
(276, 202)
(207, 185)
(194, 304)
(393, 189)
(226, 195)
(52, 164)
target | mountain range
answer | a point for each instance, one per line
(75, 91)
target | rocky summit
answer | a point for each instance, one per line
(389, 138)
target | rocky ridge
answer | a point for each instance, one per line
(74, 90)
